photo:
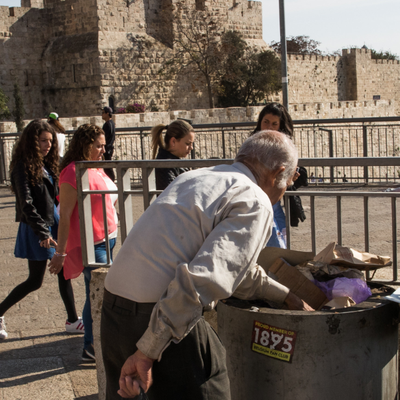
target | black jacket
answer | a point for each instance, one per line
(34, 205)
(109, 133)
(164, 176)
(296, 208)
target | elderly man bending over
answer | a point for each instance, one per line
(196, 244)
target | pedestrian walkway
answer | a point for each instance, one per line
(39, 360)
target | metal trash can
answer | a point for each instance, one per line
(294, 355)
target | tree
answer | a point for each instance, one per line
(383, 55)
(19, 112)
(298, 45)
(249, 75)
(4, 111)
(196, 47)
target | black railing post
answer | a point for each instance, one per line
(3, 175)
(330, 132)
(193, 152)
(142, 145)
(223, 144)
(365, 151)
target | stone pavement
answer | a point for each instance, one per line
(39, 360)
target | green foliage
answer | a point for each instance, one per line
(249, 75)
(298, 45)
(4, 111)
(19, 112)
(383, 55)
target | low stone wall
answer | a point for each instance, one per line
(303, 111)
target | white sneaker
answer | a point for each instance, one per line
(76, 327)
(3, 333)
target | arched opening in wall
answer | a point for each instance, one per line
(111, 102)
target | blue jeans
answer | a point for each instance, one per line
(101, 257)
(278, 236)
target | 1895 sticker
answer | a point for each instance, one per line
(273, 342)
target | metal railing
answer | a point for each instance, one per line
(319, 138)
(149, 193)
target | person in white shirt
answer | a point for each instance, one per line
(196, 244)
(53, 120)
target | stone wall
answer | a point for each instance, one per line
(352, 77)
(89, 53)
(315, 79)
(76, 56)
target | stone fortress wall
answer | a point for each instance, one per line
(352, 76)
(76, 56)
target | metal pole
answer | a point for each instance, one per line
(365, 151)
(2, 162)
(283, 54)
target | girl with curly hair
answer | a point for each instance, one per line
(87, 144)
(33, 172)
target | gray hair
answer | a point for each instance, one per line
(270, 150)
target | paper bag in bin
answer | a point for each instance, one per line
(340, 255)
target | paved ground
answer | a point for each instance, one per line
(40, 361)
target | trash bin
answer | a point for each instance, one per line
(343, 354)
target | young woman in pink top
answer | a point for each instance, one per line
(87, 144)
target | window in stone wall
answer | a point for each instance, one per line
(26, 76)
(111, 102)
(200, 5)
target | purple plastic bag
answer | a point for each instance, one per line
(357, 289)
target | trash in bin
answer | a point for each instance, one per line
(339, 302)
(298, 284)
(356, 289)
(316, 270)
(317, 281)
(346, 256)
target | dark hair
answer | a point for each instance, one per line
(286, 123)
(108, 110)
(56, 125)
(80, 145)
(177, 129)
(27, 150)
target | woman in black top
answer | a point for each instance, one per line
(177, 143)
(33, 168)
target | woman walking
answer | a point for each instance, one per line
(177, 143)
(275, 117)
(87, 144)
(33, 170)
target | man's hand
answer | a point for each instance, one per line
(136, 371)
(295, 303)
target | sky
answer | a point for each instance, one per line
(335, 24)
